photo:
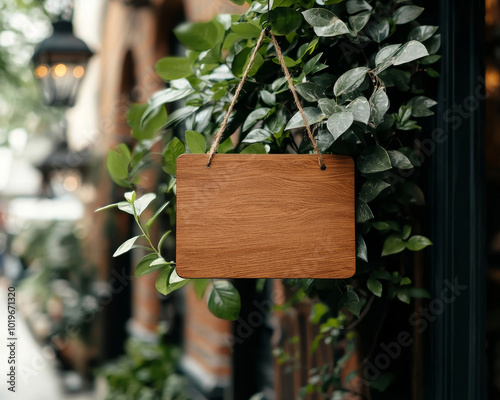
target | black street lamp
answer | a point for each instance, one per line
(60, 62)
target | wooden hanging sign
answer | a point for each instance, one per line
(265, 216)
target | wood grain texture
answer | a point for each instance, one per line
(265, 216)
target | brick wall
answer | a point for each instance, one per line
(134, 38)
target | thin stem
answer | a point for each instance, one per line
(363, 314)
(136, 217)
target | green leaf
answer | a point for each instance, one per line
(126, 246)
(361, 249)
(157, 214)
(396, 54)
(371, 189)
(406, 14)
(363, 212)
(396, 77)
(246, 30)
(257, 135)
(256, 148)
(162, 281)
(353, 6)
(254, 116)
(141, 204)
(379, 104)
(350, 301)
(175, 282)
(162, 239)
(432, 72)
(360, 109)
(328, 106)
(319, 17)
(130, 196)
(381, 225)
(180, 115)
(433, 44)
(411, 155)
(117, 163)
(196, 142)
(359, 21)
(417, 242)
(382, 382)
(406, 232)
(420, 106)
(338, 27)
(430, 59)
(313, 65)
(308, 48)
(403, 296)
(201, 35)
(224, 300)
(313, 116)
(199, 286)
(126, 207)
(278, 84)
(144, 266)
(399, 160)
(170, 68)
(171, 186)
(422, 33)
(374, 159)
(279, 3)
(241, 61)
(225, 146)
(374, 286)
(410, 51)
(317, 312)
(350, 81)
(393, 244)
(276, 124)
(385, 57)
(378, 30)
(165, 96)
(284, 20)
(386, 53)
(174, 149)
(324, 139)
(155, 120)
(107, 207)
(339, 122)
(289, 62)
(405, 281)
(268, 98)
(324, 22)
(310, 91)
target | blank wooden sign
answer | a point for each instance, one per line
(265, 216)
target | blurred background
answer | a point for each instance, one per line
(90, 331)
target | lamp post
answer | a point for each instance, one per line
(60, 62)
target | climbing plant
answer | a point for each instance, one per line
(363, 70)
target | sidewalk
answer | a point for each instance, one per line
(37, 377)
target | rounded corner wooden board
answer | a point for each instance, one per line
(265, 216)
